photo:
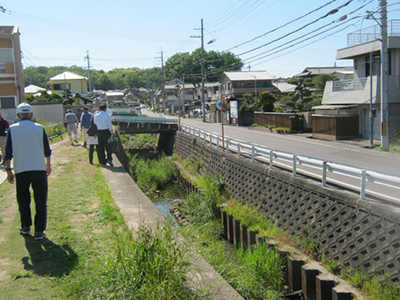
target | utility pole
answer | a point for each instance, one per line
(203, 75)
(384, 79)
(163, 80)
(87, 57)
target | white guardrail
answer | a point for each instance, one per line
(136, 119)
(281, 159)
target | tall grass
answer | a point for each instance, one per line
(266, 263)
(153, 175)
(144, 264)
(202, 207)
(255, 273)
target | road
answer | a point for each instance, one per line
(350, 153)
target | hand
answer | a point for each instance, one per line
(48, 170)
(10, 177)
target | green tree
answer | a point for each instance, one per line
(266, 101)
(104, 83)
(248, 102)
(189, 64)
(320, 80)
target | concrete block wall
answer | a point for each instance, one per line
(357, 233)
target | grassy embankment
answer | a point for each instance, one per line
(373, 286)
(89, 253)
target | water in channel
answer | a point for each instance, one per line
(162, 199)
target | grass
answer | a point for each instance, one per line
(256, 273)
(153, 175)
(89, 253)
(139, 141)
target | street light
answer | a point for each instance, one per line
(255, 85)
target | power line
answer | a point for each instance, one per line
(282, 26)
(333, 11)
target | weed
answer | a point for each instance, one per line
(153, 175)
(266, 263)
(374, 286)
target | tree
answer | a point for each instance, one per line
(215, 63)
(104, 83)
(248, 102)
(266, 101)
(320, 80)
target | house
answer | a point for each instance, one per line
(341, 72)
(33, 90)
(69, 81)
(177, 91)
(11, 77)
(115, 98)
(237, 84)
(353, 96)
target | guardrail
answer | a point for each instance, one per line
(53, 132)
(291, 162)
(133, 119)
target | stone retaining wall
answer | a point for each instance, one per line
(357, 233)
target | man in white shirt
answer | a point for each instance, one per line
(104, 132)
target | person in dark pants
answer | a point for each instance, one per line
(104, 131)
(93, 140)
(28, 145)
(3, 130)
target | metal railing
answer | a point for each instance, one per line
(372, 33)
(133, 119)
(291, 162)
(349, 85)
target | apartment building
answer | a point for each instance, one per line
(11, 77)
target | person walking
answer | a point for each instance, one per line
(3, 130)
(93, 140)
(85, 124)
(28, 146)
(104, 131)
(72, 124)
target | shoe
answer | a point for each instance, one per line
(110, 163)
(39, 235)
(24, 230)
(76, 141)
(91, 163)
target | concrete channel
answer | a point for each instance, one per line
(138, 209)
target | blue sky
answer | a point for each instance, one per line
(125, 34)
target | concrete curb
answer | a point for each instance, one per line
(138, 209)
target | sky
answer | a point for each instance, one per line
(282, 37)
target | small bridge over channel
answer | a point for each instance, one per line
(165, 128)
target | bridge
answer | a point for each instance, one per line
(165, 128)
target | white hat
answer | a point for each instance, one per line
(24, 108)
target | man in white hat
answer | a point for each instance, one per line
(28, 146)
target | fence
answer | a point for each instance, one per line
(291, 162)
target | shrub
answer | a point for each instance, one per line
(153, 175)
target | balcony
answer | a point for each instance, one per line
(357, 84)
(372, 33)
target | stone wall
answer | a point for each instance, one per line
(357, 233)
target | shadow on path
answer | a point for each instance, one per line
(48, 258)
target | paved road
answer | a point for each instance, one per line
(345, 152)
(350, 153)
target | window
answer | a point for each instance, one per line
(5, 57)
(7, 102)
(62, 86)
